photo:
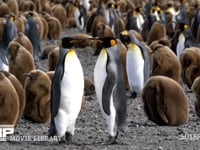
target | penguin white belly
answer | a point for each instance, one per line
(172, 11)
(100, 76)
(3, 67)
(86, 4)
(180, 45)
(157, 16)
(99, 80)
(76, 15)
(111, 119)
(140, 21)
(72, 86)
(107, 17)
(135, 69)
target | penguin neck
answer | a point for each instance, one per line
(113, 53)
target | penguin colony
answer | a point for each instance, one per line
(146, 49)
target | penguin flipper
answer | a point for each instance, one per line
(56, 92)
(107, 91)
(55, 99)
(145, 56)
(3, 55)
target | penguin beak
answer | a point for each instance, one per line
(30, 75)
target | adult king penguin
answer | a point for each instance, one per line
(137, 63)
(80, 15)
(109, 87)
(9, 33)
(66, 92)
(32, 32)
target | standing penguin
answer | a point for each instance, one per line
(32, 32)
(182, 25)
(9, 33)
(109, 87)
(137, 63)
(66, 91)
(80, 15)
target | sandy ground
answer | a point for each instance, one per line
(91, 129)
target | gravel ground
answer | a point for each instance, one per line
(91, 129)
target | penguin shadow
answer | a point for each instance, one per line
(101, 142)
(67, 140)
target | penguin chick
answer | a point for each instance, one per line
(46, 50)
(109, 87)
(190, 65)
(24, 41)
(196, 89)
(156, 32)
(53, 58)
(165, 102)
(104, 30)
(164, 62)
(37, 90)
(88, 86)
(19, 89)
(20, 61)
(9, 102)
(84, 40)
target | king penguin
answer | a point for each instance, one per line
(109, 87)
(137, 63)
(32, 32)
(9, 33)
(80, 15)
(66, 92)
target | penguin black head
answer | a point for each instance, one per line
(125, 37)
(182, 26)
(30, 13)
(156, 7)
(138, 9)
(67, 42)
(117, 6)
(111, 5)
(182, 1)
(108, 42)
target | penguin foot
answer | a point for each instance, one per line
(51, 131)
(133, 95)
(67, 139)
(62, 140)
(111, 140)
